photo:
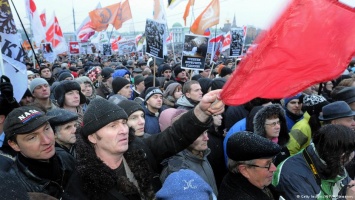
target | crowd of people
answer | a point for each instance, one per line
(111, 127)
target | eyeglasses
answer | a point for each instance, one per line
(265, 167)
(274, 124)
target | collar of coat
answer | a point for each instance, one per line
(98, 179)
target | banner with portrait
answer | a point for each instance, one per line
(237, 42)
(155, 38)
(194, 52)
(126, 47)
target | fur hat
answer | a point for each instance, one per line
(244, 146)
(152, 91)
(184, 184)
(99, 113)
(36, 82)
(130, 106)
(64, 87)
(266, 112)
(118, 83)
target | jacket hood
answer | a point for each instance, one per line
(266, 112)
(183, 101)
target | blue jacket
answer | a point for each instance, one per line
(239, 126)
(151, 120)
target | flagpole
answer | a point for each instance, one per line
(167, 27)
(2, 64)
(23, 27)
(153, 73)
(73, 16)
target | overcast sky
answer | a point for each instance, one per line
(257, 13)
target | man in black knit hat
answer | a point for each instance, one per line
(112, 165)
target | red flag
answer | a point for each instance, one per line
(226, 41)
(55, 36)
(209, 17)
(170, 38)
(311, 42)
(207, 32)
(218, 38)
(114, 43)
(42, 16)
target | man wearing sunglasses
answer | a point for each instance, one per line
(250, 166)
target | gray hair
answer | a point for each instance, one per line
(233, 165)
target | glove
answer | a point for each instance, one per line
(6, 89)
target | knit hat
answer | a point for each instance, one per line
(24, 120)
(148, 82)
(184, 184)
(243, 146)
(313, 104)
(64, 87)
(138, 79)
(30, 73)
(130, 106)
(225, 71)
(218, 83)
(152, 91)
(177, 70)
(61, 117)
(169, 91)
(36, 82)
(346, 94)
(167, 117)
(163, 68)
(64, 75)
(118, 83)
(27, 94)
(99, 113)
(106, 72)
(297, 96)
(205, 84)
(336, 110)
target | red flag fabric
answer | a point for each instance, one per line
(209, 17)
(55, 36)
(42, 16)
(226, 41)
(218, 38)
(207, 32)
(114, 45)
(170, 37)
(311, 42)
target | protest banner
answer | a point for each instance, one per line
(195, 51)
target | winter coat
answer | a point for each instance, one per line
(6, 161)
(186, 160)
(151, 125)
(300, 135)
(233, 114)
(259, 128)
(103, 91)
(291, 182)
(184, 103)
(237, 187)
(33, 183)
(95, 180)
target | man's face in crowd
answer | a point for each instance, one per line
(259, 176)
(155, 101)
(140, 87)
(294, 106)
(182, 75)
(86, 89)
(46, 73)
(345, 121)
(167, 74)
(205, 73)
(65, 134)
(41, 91)
(72, 98)
(38, 145)
(26, 100)
(195, 92)
(137, 121)
(112, 138)
(126, 91)
(200, 144)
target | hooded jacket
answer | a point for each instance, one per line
(184, 103)
(259, 128)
